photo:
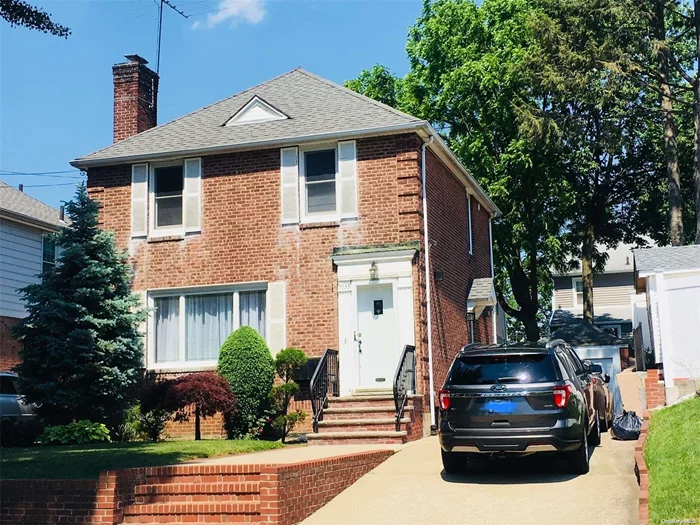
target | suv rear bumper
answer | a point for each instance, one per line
(561, 437)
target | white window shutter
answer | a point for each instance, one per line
(347, 174)
(276, 302)
(289, 185)
(139, 200)
(192, 195)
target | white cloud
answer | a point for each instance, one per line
(251, 11)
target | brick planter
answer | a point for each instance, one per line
(640, 469)
(271, 494)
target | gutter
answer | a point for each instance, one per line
(31, 221)
(426, 240)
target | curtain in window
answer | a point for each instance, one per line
(166, 328)
(207, 325)
(253, 310)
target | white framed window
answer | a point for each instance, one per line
(166, 184)
(577, 286)
(469, 224)
(613, 329)
(318, 188)
(188, 326)
(48, 253)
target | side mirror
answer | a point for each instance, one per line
(587, 366)
(606, 378)
(595, 368)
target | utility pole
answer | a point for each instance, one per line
(160, 27)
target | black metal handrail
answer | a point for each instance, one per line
(404, 381)
(324, 382)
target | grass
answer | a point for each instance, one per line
(86, 461)
(672, 455)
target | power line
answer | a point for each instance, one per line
(48, 185)
(35, 175)
(9, 172)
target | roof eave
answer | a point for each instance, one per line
(31, 221)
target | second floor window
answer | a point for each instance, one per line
(48, 258)
(319, 181)
(168, 183)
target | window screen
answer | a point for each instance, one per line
(168, 196)
(320, 181)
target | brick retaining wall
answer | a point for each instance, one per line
(640, 469)
(285, 494)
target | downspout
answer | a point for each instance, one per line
(427, 286)
(494, 324)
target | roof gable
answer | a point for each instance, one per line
(257, 110)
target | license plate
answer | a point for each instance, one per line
(500, 406)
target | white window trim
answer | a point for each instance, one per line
(181, 363)
(171, 230)
(469, 218)
(574, 280)
(307, 218)
(44, 239)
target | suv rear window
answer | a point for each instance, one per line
(507, 369)
(7, 385)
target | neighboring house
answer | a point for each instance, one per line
(297, 207)
(670, 279)
(616, 306)
(25, 251)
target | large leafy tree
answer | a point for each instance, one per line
(471, 78)
(82, 352)
(20, 13)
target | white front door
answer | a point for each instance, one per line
(377, 332)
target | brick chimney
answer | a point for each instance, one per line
(135, 97)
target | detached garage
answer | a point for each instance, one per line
(598, 346)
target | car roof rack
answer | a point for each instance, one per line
(555, 342)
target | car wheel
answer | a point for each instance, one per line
(578, 459)
(594, 437)
(452, 462)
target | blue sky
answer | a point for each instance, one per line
(56, 94)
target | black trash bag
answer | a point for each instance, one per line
(627, 426)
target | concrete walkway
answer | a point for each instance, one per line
(411, 488)
(291, 454)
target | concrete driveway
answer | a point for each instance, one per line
(412, 488)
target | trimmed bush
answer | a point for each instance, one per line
(287, 362)
(79, 432)
(246, 363)
(145, 426)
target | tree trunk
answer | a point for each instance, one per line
(197, 429)
(587, 272)
(696, 115)
(675, 200)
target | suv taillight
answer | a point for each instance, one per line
(562, 395)
(444, 399)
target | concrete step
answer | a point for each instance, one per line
(362, 392)
(366, 436)
(342, 413)
(195, 492)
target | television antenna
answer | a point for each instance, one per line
(160, 27)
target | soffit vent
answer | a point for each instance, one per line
(256, 110)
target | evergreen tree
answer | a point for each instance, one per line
(82, 352)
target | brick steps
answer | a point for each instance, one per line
(389, 437)
(197, 492)
(192, 512)
(365, 424)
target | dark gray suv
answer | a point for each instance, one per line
(518, 398)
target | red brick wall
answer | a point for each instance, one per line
(448, 235)
(655, 388)
(9, 346)
(36, 501)
(290, 493)
(242, 239)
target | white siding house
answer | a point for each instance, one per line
(670, 278)
(24, 252)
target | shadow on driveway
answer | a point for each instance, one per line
(544, 467)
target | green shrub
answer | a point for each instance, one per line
(287, 362)
(79, 432)
(145, 426)
(19, 431)
(245, 362)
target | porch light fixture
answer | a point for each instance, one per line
(471, 317)
(373, 271)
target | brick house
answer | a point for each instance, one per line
(25, 251)
(297, 207)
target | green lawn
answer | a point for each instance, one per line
(673, 459)
(86, 461)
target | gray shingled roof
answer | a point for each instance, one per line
(578, 332)
(481, 289)
(611, 314)
(667, 258)
(315, 106)
(19, 205)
